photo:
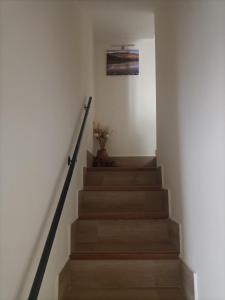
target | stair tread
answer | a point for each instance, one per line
(122, 176)
(125, 251)
(110, 194)
(124, 204)
(119, 222)
(121, 231)
(126, 294)
(121, 169)
(124, 215)
(123, 188)
(154, 247)
(86, 273)
(124, 256)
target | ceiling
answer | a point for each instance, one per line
(119, 24)
(119, 19)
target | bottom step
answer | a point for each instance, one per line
(126, 294)
(121, 274)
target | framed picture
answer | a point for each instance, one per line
(122, 62)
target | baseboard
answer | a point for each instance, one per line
(188, 277)
(188, 281)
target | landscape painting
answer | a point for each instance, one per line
(122, 62)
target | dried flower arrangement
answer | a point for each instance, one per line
(102, 134)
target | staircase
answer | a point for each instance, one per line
(123, 246)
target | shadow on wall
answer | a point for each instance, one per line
(167, 108)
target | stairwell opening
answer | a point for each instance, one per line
(123, 245)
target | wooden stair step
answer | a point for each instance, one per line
(121, 169)
(166, 250)
(122, 176)
(123, 216)
(120, 231)
(122, 188)
(125, 251)
(94, 274)
(123, 255)
(125, 294)
(134, 161)
(123, 204)
(153, 247)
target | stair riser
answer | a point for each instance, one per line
(125, 274)
(130, 294)
(122, 188)
(110, 178)
(122, 256)
(119, 202)
(103, 231)
(138, 162)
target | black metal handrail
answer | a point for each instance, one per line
(55, 222)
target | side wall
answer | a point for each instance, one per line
(127, 103)
(45, 77)
(190, 60)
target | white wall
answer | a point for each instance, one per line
(127, 103)
(190, 60)
(45, 76)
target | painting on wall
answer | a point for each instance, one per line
(122, 62)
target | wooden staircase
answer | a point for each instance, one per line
(123, 246)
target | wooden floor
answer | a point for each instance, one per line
(123, 246)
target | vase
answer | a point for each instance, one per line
(102, 155)
(102, 159)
